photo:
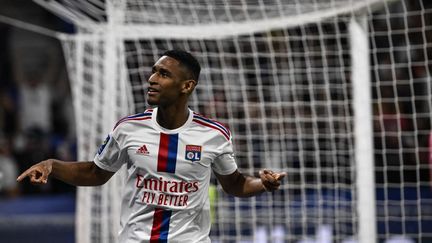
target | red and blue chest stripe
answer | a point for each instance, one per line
(166, 162)
(160, 229)
(167, 157)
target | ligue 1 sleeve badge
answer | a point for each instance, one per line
(102, 147)
(193, 153)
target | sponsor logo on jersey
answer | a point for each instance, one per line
(193, 153)
(143, 150)
(165, 192)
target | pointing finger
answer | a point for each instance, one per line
(24, 175)
(280, 176)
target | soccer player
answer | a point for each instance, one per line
(169, 152)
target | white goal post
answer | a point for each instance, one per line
(336, 93)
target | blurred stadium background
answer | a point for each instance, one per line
(284, 87)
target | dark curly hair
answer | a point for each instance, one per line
(187, 60)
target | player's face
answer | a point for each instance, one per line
(165, 82)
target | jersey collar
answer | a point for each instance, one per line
(168, 131)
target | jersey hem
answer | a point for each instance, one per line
(226, 172)
(103, 166)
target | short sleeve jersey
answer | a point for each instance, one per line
(165, 198)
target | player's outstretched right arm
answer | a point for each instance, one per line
(74, 173)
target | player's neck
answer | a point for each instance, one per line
(172, 117)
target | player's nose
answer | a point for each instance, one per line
(152, 79)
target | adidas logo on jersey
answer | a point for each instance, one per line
(143, 150)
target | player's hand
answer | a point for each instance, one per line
(271, 180)
(38, 173)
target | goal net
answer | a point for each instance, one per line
(337, 93)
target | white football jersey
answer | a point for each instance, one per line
(168, 175)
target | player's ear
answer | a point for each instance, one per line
(189, 86)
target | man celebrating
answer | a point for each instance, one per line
(169, 152)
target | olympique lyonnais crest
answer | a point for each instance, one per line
(193, 153)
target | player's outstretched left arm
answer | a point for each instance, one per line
(240, 185)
